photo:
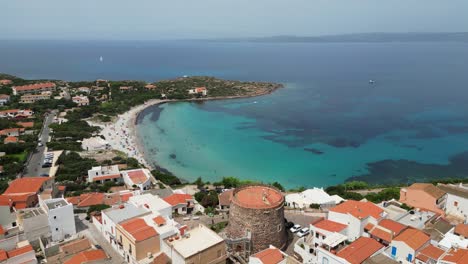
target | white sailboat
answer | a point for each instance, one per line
(101, 59)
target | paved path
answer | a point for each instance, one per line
(33, 166)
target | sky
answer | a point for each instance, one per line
(179, 19)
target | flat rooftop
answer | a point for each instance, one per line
(417, 219)
(199, 239)
(55, 203)
(258, 197)
(32, 212)
(125, 212)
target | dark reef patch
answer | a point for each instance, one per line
(315, 151)
(405, 171)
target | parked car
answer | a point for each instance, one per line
(295, 228)
(303, 232)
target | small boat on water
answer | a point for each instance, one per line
(101, 59)
(371, 81)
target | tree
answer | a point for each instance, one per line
(199, 182)
(97, 208)
(278, 186)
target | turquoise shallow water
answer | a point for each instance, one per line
(328, 125)
(210, 145)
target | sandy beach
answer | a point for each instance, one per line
(122, 134)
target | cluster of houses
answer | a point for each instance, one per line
(434, 231)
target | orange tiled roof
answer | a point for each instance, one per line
(369, 227)
(429, 188)
(35, 86)
(88, 199)
(26, 185)
(360, 250)
(138, 228)
(358, 209)
(19, 251)
(126, 196)
(382, 234)
(5, 81)
(11, 139)
(159, 220)
(462, 230)
(225, 197)
(258, 197)
(458, 256)
(6, 131)
(87, 256)
(26, 124)
(106, 177)
(178, 198)
(160, 259)
(270, 256)
(3, 255)
(414, 238)
(430, 252)
(137, 177)
(329, 225)
(393, 226)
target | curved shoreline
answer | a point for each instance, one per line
(122, 135)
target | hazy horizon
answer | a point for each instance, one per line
(165, 20)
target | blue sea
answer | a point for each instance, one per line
(327, 125)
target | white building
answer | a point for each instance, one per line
(80, 100)
(312, 196)
(200, 243)
(405, 247)
(113, 216)
(95, 144)
(357, 252)
(104, 173)
(4, 99)
(141, 178)
(356, 215)
(61, 218)
(199, 90)
(457, 200)
(457, 237)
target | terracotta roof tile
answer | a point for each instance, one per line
(3, 255)
(393, 226)
(414, 238)
(225, 197)
(178, 198)
(87, 256)
(382, 234)
(137, 177)
(19, 251)
(26, 185)
(35, 86)
(26, 124)
(430, 252)
(358, 209)
(258, 197)
(159, 220)
(270, 256)
(458, 256)
(429, 188)
(462, 230)
(369, 227)
(138, 228)
(329, 225)
(161, 259)
(106, 177)
(10, 139)
(360, 250)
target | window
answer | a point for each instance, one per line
(455, 203)
(219, 253)
(279, 228)
(130, 249)
(323, 237)
(394, 251)
(324, 260)
(55, 217)
(409, 258)
(56, 229)
(112, 229)
(317, 235)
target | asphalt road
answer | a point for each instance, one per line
(33, 168)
